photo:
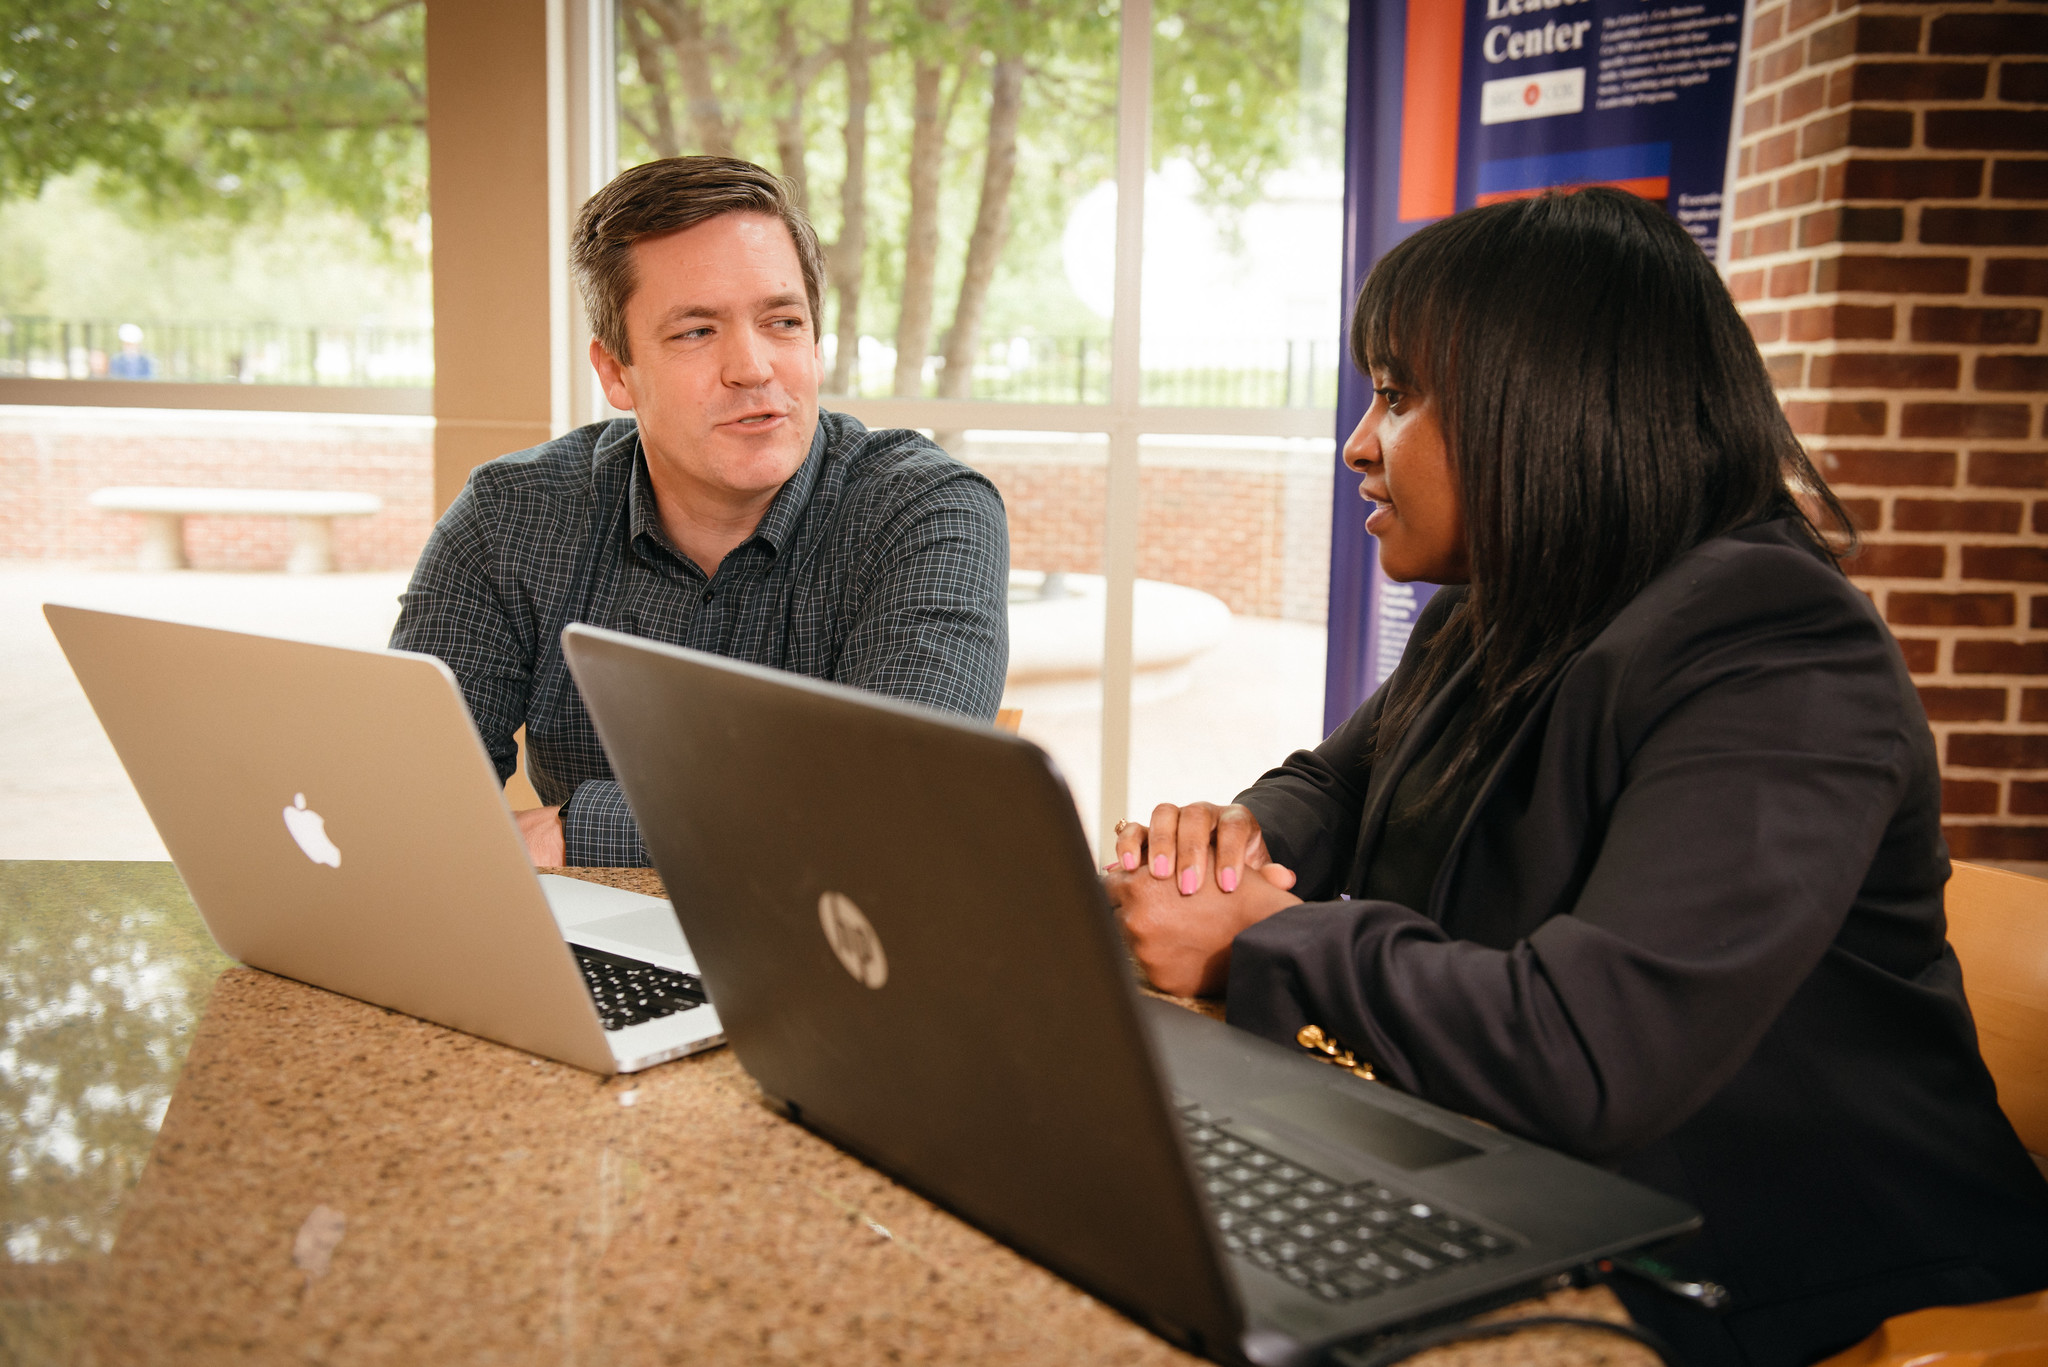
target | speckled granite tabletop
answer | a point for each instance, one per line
(207, 1164)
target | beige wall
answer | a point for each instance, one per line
(487, 141)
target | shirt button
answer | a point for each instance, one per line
(707, 595)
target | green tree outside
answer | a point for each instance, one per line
(251, 158)
(214, 160)
(220, 108)
(941, 143)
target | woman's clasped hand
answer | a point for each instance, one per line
(1186, 884)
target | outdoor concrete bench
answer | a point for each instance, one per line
(164, 510)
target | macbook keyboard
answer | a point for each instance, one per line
(1339, 1241)
(629, 992)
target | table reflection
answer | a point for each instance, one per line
(333, 1182)
(104, 971)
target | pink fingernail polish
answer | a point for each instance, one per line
(1130, 860)
(1189, 881)
(1227, 880)
(1162, 867)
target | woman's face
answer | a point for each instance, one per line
(1420, 521)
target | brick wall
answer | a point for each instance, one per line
(1890, 250)
(51, 459)
(1246, 520)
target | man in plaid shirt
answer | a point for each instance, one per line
(728, 514)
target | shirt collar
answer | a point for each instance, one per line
(778, 525)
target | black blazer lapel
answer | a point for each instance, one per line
(1379, 792)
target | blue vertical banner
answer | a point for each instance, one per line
(1458, 103)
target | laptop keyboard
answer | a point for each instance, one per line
(629, 992)
(1339, 1241)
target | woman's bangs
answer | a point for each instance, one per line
(1395, 328)
(1376, 343)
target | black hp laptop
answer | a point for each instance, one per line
(899, 919)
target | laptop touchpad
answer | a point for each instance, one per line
(653, 929)
(1350, 1123)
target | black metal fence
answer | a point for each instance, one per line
(214, 353)
(1289, 374)
(1292, 374)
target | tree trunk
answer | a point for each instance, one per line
(921, 237)
(789, 147)
(991, 225)
(682, 23)
(647, 57)
(796, 71)
(849, 253)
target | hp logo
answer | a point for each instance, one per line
(853, 939)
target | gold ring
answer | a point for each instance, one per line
(1122, 826)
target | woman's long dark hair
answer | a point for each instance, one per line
(1605, 410)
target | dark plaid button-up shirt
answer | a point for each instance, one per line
(883, 563)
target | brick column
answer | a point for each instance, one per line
(1890, 250)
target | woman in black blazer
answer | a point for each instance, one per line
(1638, 853)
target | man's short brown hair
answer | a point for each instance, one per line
(667, 196)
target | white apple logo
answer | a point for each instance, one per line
(309, 828)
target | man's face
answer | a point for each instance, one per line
(725, 370)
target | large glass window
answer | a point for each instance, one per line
(187, 195)
(1244, 207)
(212, 220)
(945, 150)
(1242, 264)
(961, 163)
(975, 175)
(940, 147)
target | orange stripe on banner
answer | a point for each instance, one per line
(1429, 108)
(1649, 187)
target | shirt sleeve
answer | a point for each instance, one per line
(1761, 755)
(458, 609)
(598, 829)
(931, 624)
(454, 610)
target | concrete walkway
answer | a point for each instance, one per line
(64, 795)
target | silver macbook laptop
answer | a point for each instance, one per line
(337, 820)
(900, 920)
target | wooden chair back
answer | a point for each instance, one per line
(518, 788)
(1009, 719)
(1998, 923)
